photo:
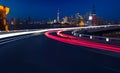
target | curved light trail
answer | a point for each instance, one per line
(66, 38)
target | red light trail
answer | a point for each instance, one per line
(66, 38)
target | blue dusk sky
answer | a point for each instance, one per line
(47, 9)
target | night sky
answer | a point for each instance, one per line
(47, 9)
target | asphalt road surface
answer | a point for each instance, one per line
(39, 54)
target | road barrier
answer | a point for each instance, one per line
(93, 37)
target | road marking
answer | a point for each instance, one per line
(17, 38)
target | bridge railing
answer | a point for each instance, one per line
(97, 38)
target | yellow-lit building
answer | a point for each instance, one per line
(3, 13)
(82, 24)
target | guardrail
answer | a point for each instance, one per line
(107, 39)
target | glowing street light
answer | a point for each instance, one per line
(80, 35)
(91, 37)
(107, 39)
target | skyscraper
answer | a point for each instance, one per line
(58, 16)
(94, 15)
(94, 10)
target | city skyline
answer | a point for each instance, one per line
(46, 9)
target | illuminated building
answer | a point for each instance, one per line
(90, 18)
(81, 24)
(65, 20)
(86, 17)
(102, 21)
(93, 17)
(15, 21)
(12, 21)
(71, 20)
(3, 13)
(77, 16)
(79, 20)
(55, 21)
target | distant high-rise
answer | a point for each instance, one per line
(65, 19)
(58, 16)
(92, 16)
(78, 18)
(94, 10)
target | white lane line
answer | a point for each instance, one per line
(9, 39)
(18, 38)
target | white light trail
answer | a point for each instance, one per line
(44, 30)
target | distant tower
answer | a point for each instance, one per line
(58, 16)
(94, 15)
(93, 10)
